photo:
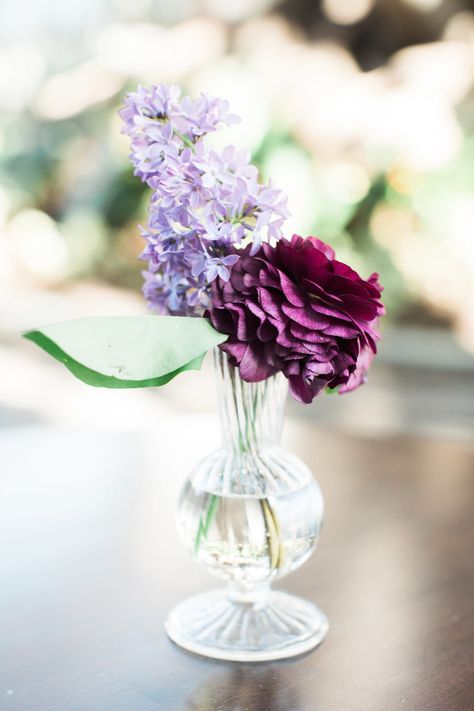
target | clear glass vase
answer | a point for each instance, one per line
(250, 513)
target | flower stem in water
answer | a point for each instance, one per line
(203, 528)
(272, 529)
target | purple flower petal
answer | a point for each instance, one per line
(254, 367)
(306, 317)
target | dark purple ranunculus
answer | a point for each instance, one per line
(294, 308)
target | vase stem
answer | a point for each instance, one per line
(256, 594)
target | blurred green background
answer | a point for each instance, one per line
(361, 110)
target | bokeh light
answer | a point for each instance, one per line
(347, 12)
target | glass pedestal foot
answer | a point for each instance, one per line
(276, 627)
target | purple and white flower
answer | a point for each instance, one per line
(203, 201)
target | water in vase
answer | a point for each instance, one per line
(248, 540)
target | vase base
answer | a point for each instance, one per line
(212, 625)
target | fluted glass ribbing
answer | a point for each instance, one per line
(251, 413)
(250, 461)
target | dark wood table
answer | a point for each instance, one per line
(90, 564)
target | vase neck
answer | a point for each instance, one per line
(251, 413)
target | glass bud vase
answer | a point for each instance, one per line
(250, 513)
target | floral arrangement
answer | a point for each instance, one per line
(220, 272)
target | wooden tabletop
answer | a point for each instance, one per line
(90, 564)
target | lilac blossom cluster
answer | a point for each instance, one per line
(204, 202)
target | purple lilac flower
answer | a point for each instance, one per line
(204, 202)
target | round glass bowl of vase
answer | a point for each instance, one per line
(279, 314)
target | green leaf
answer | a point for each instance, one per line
(128, 351)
